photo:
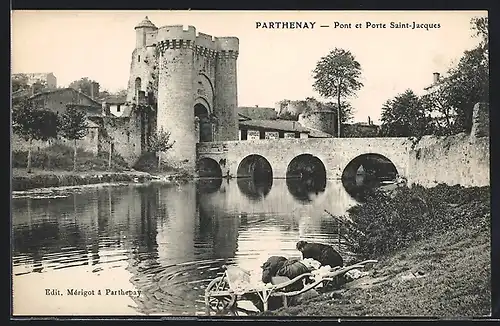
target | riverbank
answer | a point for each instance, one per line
(444, 271)
(22, 181)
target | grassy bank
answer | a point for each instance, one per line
(433, 247)
(53, 167)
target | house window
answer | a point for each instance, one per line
(118, 108)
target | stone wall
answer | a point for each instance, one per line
(320, 120)
(460, 159)
(89, 143)
(126, 135)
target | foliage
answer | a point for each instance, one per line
(404, 116)
(358, 130)
(59, 157)
(451, 100)
(337, 75)
(83, 85)
(148, 162)
(346, 110)
(74, 127)
(73, 123)
(287, 115)
(104, 94)
(34, 124)
(160, 141)
(21, 82)
(387, 223)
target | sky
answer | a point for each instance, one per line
(273, 64)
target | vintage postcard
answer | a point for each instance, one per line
(246, 163)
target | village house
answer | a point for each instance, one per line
(57, 101)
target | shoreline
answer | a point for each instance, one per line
(43, 180)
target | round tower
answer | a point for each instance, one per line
(226, 89)
(176, 73)
(141, 31)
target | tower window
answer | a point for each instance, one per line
(138, 58)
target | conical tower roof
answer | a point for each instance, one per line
(146, 23)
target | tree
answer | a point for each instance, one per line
(19, 82)
(32, 124)
(346, 111)
(337, 75)
(84, 85)
(160, 143)
(73, 127)
(287, 115)
(404, 116)
(454, 96)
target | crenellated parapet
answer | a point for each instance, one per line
(228, 55)
(176, 37)
(175, 44)
(205, 52)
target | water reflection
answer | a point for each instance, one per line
(255, 188)
(173, 238)
(360, 186)
(209, 185)
(304, 189)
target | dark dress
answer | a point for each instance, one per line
(326, 255)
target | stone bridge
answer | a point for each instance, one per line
(336, 154)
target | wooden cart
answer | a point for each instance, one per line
(223, 292)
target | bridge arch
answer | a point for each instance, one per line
(254, 166)
(373, 164)
(208, 168)
(306, 166)
(305, 177)
(254, 176)
(367, 171)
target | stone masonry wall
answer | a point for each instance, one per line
(126, 135)
(333, 152)
(89, 143)
(460, 159)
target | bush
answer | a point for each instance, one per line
(385, 223)
(148, 162)
(60, 157)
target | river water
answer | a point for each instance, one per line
(166, 240)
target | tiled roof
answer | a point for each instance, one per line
(258, 113)
(282, 125)
(63, 90)
(318, 134)
(115, 99)
(146, 23)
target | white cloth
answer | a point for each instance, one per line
(311, 264)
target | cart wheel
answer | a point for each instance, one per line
(220, 304)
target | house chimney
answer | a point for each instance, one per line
(436, 77)
(369, 120)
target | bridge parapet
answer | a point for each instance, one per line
(335, 153)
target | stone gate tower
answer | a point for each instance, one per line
(191, 79)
